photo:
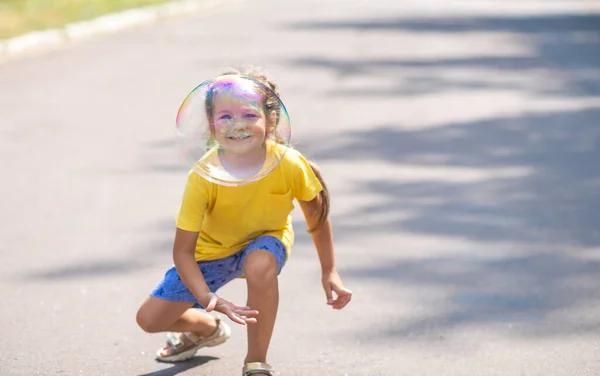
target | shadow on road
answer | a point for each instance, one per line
(545, 211)
(182, 367)
(560, 44)
(547, 218)
(554, 196)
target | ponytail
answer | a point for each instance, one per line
(323, 213)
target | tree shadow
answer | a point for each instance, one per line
(530, 24)
(557, 153)
(561, 47)
(178, 368)
(546, 216)
(531, 184)
(544, 210)
(529, 293)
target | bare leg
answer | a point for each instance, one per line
(159, 315)
(260, 269)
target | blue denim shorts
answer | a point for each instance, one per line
(218, 273)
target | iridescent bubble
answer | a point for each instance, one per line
(233, 129)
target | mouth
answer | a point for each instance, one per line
(239, 136)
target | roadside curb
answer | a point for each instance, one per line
(109, 23)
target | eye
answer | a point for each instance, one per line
(251, 116)
(225, 117)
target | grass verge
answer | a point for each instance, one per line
(18, 17)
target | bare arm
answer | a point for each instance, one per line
(323, 236)
(184, 248)
(323, 240)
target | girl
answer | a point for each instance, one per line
(223, 233)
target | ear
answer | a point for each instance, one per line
(271, 121)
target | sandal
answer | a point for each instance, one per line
(182, 350)
(258, 367)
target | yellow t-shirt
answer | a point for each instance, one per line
(228, 218)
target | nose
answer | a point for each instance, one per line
(239, 123)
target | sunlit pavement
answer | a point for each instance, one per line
(460, 143)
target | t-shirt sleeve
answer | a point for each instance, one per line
(194, 203)
(306, 183)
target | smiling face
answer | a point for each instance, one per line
(238, 122)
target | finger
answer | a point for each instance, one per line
(249, 320)
(246, 319)
(341, 290)
(242, 308)
(341, 298)
(212, 302)
(235, 318)
(246, 312)
(328, 294)
(342, 301)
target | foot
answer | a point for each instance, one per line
(257, 369)
(183, 346)
(176, 345)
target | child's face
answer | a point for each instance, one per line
(239, 122)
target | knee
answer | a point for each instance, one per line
(147, 322)
(260, 267)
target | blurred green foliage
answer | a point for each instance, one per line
(21, 16)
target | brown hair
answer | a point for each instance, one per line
(325, 199)
(272, 103)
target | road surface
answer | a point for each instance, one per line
(460, 141)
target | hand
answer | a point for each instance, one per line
(240, 315)
(332, 283)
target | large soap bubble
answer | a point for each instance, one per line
(233, 129)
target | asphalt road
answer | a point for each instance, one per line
(460, 141)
